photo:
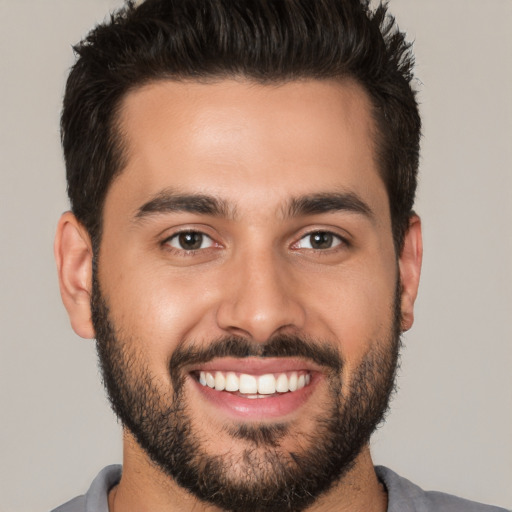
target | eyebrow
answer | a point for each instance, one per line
(169, 201)
(315, 204)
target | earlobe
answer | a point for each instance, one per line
(73, 255)
(410, 269)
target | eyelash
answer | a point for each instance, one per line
(188, 252)
(337, 239)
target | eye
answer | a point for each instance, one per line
(319, 240)
(190, 241)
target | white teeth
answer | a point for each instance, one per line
(248, 384)
(210, 380)
(282, 383)
(232, 382)
(254, 386)
(292, 382)
(220, 381)
(266, 384)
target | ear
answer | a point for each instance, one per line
(410, 269)
(73, 255)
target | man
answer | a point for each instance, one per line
(242, 246)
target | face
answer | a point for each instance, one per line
(246, 301)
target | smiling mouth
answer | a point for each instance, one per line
(255, 386)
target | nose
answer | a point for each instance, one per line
(260, 298)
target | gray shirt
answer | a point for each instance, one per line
(403, 496)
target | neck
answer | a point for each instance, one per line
(358, 491)
(144, 488)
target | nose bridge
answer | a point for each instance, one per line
(261, 297)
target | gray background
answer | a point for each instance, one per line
(451, 422)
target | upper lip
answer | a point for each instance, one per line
(257, 365)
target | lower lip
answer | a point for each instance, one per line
(272, 407)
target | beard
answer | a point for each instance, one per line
(264, 477)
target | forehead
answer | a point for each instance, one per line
(245, 141)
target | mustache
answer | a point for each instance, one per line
(239, 347)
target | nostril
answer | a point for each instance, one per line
(260, 326)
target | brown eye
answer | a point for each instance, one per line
(190, 241)
(319, 240)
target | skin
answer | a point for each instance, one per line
(255, 147)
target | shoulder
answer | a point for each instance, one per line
(96, 498)
(75, 505)
(404, 496)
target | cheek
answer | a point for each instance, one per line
(155, 304)
(356, 307)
